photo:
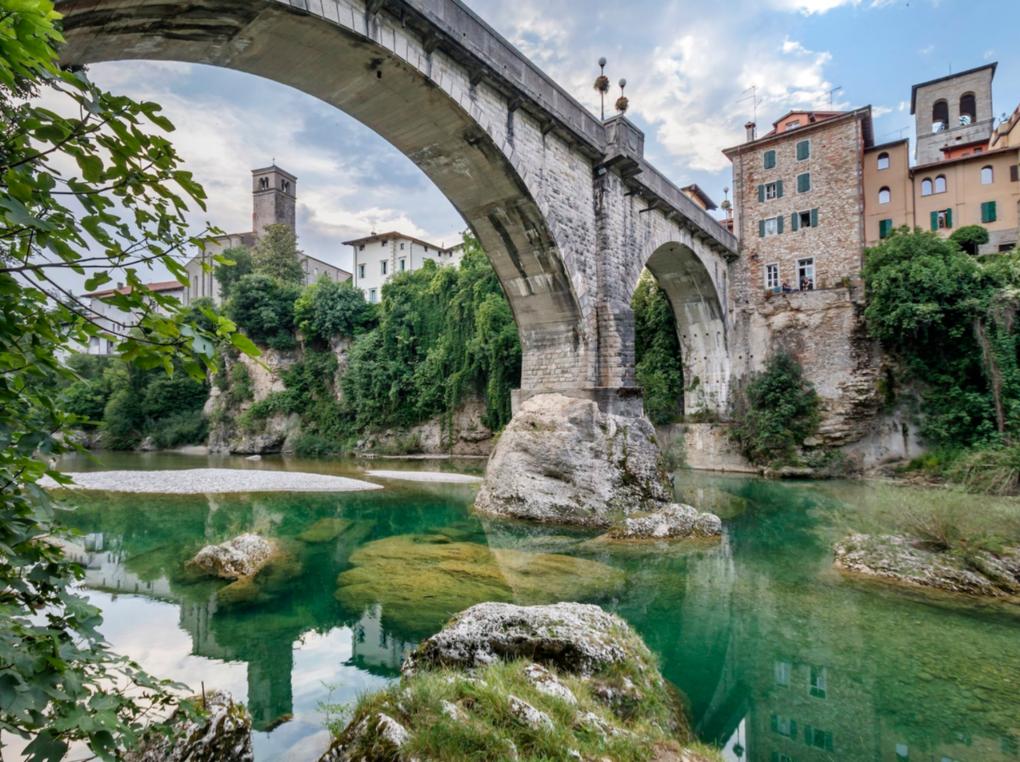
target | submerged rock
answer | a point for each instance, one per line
(909, 561)
(325, 530)
(511, 682)
(240, 557)
(675, 521)
(563, 460)
(221, 734)
(421, 580)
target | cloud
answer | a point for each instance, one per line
(877, 111)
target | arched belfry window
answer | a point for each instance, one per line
(883, 160)
(939, 116)
(263, 183)
(968, 109)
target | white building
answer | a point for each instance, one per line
(379, 257)
(274, 202)
(116, 321)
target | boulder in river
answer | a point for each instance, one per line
(502, 681)
(240, 557)
(563, 460)
(909, 561)
(675, 521)
(221, 733)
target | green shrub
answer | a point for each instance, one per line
(168, 395)
(123, 420)
(990, 470)
(327, 310)
(969, 238)
(187, 427)
(776, 412)
(264, 308)
(659, 368)
(228, 275)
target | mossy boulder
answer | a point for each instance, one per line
(421, 580)
(470, 694)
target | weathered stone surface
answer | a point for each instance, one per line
(907, 561)
(562, 460)
(223, 734)
(573, 637)
(675, 521)
(240, 557)
(461, 433)
(526, 713)
(546, 682)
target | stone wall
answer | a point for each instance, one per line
(704, 446)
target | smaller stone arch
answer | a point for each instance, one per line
(701, 326)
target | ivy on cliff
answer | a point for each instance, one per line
(659, 366)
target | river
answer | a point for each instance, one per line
(780, 658)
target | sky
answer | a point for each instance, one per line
(690, 67)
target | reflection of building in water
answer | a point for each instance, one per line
(105, 570)
(373, 648)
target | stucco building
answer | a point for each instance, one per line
(380, 256)
(274, 202)
(116, 321)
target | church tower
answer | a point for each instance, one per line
(274, 198)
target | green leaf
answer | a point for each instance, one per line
(245, 344)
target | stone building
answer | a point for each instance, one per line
(378, 257)
(274, 202)
(968, 170)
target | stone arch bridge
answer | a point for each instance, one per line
(565, 205)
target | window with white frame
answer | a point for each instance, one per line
(987, 175)
(771, 191)
(884, 196)
(372, 295)
(772, 277)
(403, 264)
(361, 272)
(883, 160)
(383, 266)
(772, 226)
(806, 274)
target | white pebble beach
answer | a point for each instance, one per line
(207, 481)
(437, 477)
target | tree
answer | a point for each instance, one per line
(659, 366)
(276, 254)
(227, 275)
(264, 307)
(970, 238)
(99, 193)
(776, 412)
(327, 310)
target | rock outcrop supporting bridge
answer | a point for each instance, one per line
(566, 206)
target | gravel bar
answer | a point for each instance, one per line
(204, 481)
(438, 477)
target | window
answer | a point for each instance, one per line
(382, 266)
(772, 277)
(769, 191)
(820, 739)
(926, 186)
(883, 160)
(361, 248)
(285, 186)
(1014, 173)
(361, 272)
(988, 212)
(783, 726)
(968, 109)
(401, 245)
(792, 123)
(403, 264)
(771, 226)
(804, 182)
(769, 159)
(263, 183)
(940, 184)
(987, 175)
(803, 150)
(884, 195)
(819, 682)
(939, 116)
(372, 295)
(942, 219)
(884, 228)
(781, 672)
(806, 274)
(805, 219)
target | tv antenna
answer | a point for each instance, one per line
(833, 91)
(751, 94)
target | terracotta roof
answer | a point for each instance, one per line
(163, 285)
(390, 235)
(863, 113)
(969, 157)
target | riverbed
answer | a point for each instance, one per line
(779, 657)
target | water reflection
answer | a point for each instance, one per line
(779, 658)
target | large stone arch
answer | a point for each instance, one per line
(389, 76)
(701, 324)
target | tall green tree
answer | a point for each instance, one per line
(227, 275)
(89, 185)
(277, 255)
(327, 310)
(659, 364)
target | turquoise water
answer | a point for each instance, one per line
(779, 657)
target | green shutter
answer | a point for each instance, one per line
(795, 221)
(779, 224)
(779, 188)
(770, 159)
(884, 228)
(761, 193)
(988, 211)
(814, 218)
(949, 218)
(761, 228)
(804, 182)
(803, 150)
(934, 220)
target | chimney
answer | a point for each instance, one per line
(751, 128)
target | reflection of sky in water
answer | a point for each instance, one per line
(776, 654)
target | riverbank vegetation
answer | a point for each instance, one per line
(99, 192)
(948, 320)
(659, 367)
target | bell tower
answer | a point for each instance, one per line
(274, 198)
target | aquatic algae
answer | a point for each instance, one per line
(422, 580)
(325, 530)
